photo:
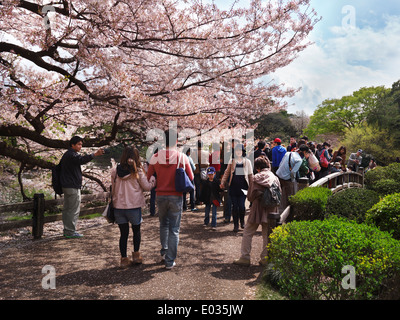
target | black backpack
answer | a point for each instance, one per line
(271, 196)
(56, 179)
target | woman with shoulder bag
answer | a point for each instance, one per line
(128, 183)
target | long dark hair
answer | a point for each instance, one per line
(130, 160)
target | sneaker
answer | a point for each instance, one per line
(242, 262)
(195, 210)
(214, 228)
(73, 236)
(162, 258)
(170, 267)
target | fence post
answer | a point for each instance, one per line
(303, 183)
(38, 215)
(273, 218)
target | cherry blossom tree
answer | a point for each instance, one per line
(111, 69)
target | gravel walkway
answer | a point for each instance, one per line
(87, 268)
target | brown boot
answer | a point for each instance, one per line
(137, 258)
(125, 262)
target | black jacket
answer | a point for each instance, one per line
(71, 173)
(210, 191)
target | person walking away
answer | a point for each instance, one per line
(238, 176)
(211, 197)
(278, 152)
(71, 182)
(263, 179)
(169, 201)
(191, 193)
(129, 180)
(200, 158)
(287, 173)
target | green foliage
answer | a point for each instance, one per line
(337, 115)
(309, 203)
(384, 180)
(307, 258)
(387, 115)
(373, 140)
(273, 125)
(386, 215)
(351, 204)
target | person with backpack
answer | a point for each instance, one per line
(264, 179)
(129, 180)
(169, 200)
(71, 184)
(287, 174)
(324, 159)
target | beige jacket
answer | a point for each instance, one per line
(128, 191)
(265, 178)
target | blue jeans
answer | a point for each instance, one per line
(169, 214)
(214, 215)
(153, 201)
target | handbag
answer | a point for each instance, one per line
(182, 181)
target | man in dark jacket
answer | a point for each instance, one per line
(71, 182)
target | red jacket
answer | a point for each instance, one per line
(164, 164)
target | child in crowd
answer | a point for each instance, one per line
(210, 195)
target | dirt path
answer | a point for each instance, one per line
(87, 268)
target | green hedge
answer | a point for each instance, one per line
(384, 180)
(309, 203)
(306, 259)
(352, 203)
(386, 215)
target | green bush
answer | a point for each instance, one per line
(386, 186)
(309, 203)
(386, 215)
(384, 180)
(307, 258)
(351, 203)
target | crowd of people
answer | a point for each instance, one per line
(222, 177)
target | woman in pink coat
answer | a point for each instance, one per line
(128, 183)
(258, 214)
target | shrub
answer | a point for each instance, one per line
(384, 180)
(307, 259)
(309, 203)
(352, 203)
(386, 186)
(386, 215)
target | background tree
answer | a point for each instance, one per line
(274, 125)
(111, 70)
(334, 116)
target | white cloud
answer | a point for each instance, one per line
(339, 65)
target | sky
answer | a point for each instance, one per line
(356, 44)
